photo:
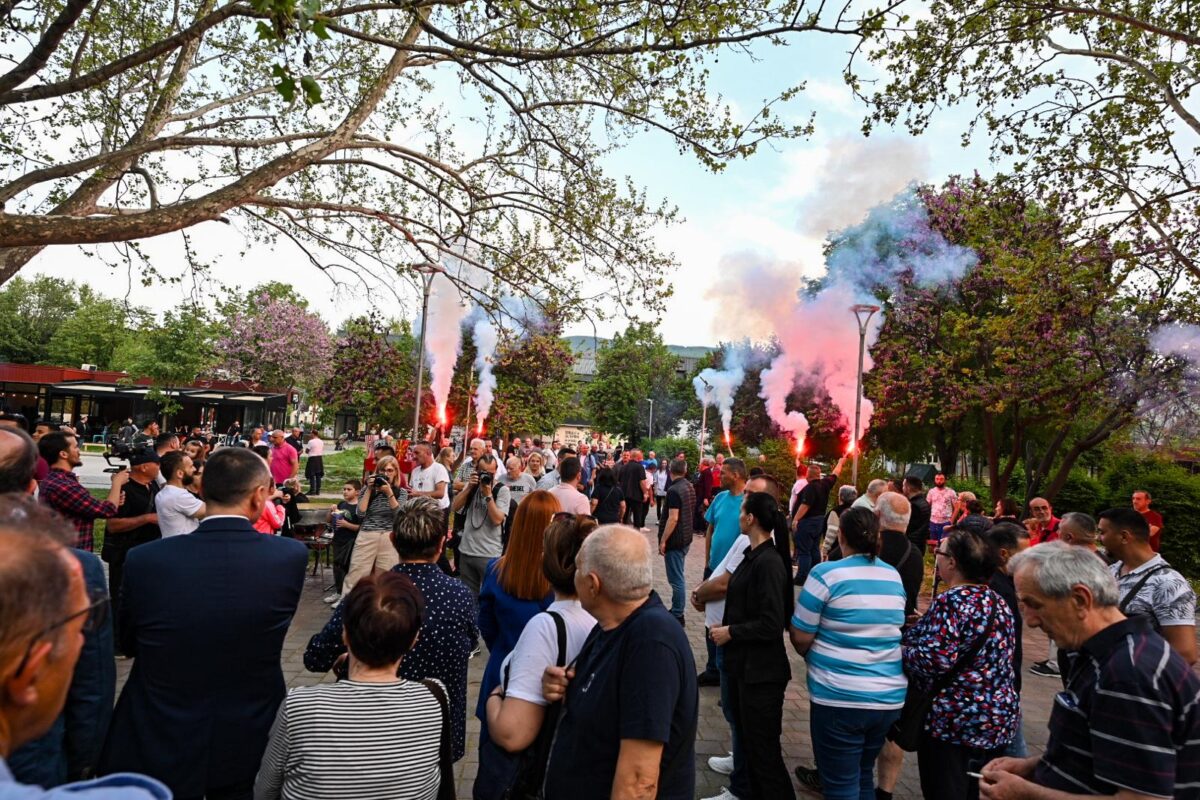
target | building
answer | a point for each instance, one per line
(90, 399)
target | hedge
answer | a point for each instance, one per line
(1176, 495)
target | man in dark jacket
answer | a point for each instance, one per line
(204, 616)
(918, 522)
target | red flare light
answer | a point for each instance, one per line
(727, 439)
(800, 446)
(850, 448)
(441, 416)
(479, 428)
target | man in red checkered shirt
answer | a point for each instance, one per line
(62, 491)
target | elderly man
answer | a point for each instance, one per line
(871, 497)
(285, 461)
(630, 728)
(1128, 723)
(1045, 527)
(475, 450)
(204, 616)
(49, 617)
(483, 506)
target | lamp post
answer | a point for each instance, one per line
(704, 414)
(650, 427)
(863, 314)
(427, 270)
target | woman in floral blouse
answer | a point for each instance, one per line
(977, 714)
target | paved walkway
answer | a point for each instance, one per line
(713, 735)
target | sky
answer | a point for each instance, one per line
(774, 208)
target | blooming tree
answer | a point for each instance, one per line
(276, 343)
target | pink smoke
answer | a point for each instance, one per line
(443, 337)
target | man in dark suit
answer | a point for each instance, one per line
(204, 616)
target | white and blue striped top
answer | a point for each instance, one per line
(855, 607)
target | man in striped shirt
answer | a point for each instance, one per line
(1128, 723)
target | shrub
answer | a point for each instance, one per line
(1081, 492)
(666, 447)
(1176, 495)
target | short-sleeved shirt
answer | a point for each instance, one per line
(797, 487)
(571, 499)
(631, 477)
(519, 487)
(1155, 520)
(636, 681)
(681, 497)
(714, 610)
(283, 462)
(139, 500)
(521, 672)
(941, 504)
(1129, 718)
(175, 508)
(1166, 598)
(723, 514)
(855, 606)
(426, 479)
(815, 495)
(482, 537)
(608, 504)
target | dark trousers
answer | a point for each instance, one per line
(758, 716)
(710, 647)
(116, 574)
(659, 502)
(635, 513)
(343, 546)
(944, 767)
(809, 533)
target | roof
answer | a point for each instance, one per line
(102, 380)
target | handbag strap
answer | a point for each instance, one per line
(446, 790)
(942, 683)
(1137, 587)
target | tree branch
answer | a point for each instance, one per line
(39, 56)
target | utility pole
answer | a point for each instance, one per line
(863, 314)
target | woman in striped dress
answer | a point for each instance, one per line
(372, 736)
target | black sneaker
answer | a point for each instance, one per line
(708, 679)
(809, 778)
(1044, 669)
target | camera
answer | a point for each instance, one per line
(485, 478)
(122, 451)
(379, 481)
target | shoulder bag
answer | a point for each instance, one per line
(531, 769)
(907, 729)
(446, 790)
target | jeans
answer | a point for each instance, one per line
(937, 530)
(757, 710)
(739, 779)
(674, 563)
(846, 742)
(808, 546)
(711, 666)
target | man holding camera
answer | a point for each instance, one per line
(483, 505)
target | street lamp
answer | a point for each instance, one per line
(650, 427)
(863, 314)
(426, 269)
(704, 413)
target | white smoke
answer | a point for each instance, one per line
(718, 386)
(486, 337)
(443, 337)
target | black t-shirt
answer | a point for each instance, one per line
(815, 495)
(609, 504)
(350, 513)
(898, 551)
(631, 477)
(637, 681)
(1002, 584)
(139, 499)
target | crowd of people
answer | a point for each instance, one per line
(590, 687)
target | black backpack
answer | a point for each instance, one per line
(531, 772)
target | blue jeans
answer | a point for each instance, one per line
(846, 742)
(937, 530)
(739, 779)
(808, 546)
(674, 564)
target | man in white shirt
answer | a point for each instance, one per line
(567, 491)
(429, 478)
(179, 511)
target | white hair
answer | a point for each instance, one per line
(876, 488)
(625, 573)
(894, 511)
(1057, 567)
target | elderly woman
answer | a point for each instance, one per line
(381, 497)
(847, 626)
(516, 709)
(373, 735)
(974, 718)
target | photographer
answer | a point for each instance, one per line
(381, 496)
(483, 505)
(135, 524)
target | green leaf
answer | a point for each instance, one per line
(287, 84)
(312, 90)
(319, 29)
(265, 32)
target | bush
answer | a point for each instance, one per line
(1176, 495)
(667, 446)
(1081, 492)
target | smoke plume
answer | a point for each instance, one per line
(485, 336)
(443, 338)
(1178, 339)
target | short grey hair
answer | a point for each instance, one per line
(1082, 522)
(847, 494)
(625, 573)
(514, 461)
(1057, 567)
(894, 511)
(965, 496)
(876, 488)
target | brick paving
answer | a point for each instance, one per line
(713, 732)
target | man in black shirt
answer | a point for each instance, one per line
(632, 478)
(808, 523)
(894, 511)
(136, 523)
(918, 521)
(675, 533)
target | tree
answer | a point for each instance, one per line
(276, 343)
(95, 332)
(1094, 101)
(534, 384)
(31, 311)
(171, 355)
(371, 371)
(1038, 346)
(632, 367)
(122, 121)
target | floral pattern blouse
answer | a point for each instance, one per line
(981, 707)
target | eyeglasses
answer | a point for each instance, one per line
(940, 552)
(561, 515)
(97, 613)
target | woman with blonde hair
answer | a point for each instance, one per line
(514, 589)
(381, 496)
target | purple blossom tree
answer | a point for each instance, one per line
(276, 343)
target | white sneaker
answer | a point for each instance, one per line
(724, 795)
(331, 598)
(722, 765)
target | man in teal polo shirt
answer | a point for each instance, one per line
(722, 518)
